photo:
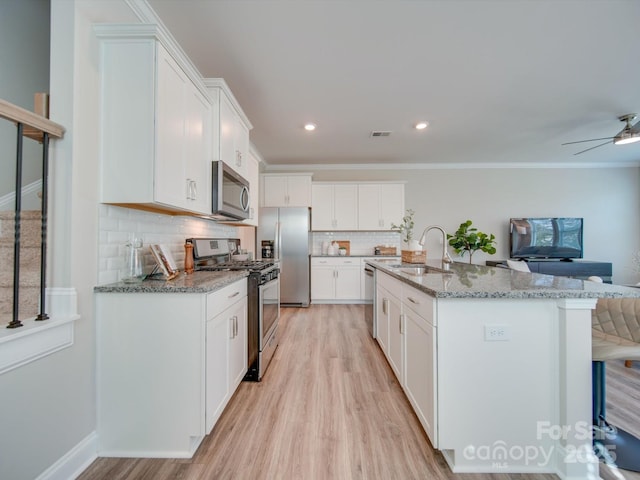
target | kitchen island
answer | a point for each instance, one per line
(496, 363)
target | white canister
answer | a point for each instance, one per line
(325, 247)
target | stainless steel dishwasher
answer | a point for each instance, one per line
(370, 299)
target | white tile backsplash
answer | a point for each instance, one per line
(362, 243)
(117, 224)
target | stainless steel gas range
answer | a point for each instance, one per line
(214, 254)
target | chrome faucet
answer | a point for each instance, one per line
(446, 258)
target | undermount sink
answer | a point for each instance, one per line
(417, 270)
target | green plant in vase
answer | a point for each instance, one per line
(469, 239)
(406, 227)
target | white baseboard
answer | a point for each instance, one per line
(74, 462)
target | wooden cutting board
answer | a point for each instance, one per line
(346, 244)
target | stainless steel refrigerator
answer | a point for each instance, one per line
(288, 230)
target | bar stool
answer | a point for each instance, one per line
(615, 335)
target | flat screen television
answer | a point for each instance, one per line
(551, 238)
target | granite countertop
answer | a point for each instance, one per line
(197, 282)
(352, 255)
(477, 281)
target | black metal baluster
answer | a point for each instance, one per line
(43, 241)
(15, 323)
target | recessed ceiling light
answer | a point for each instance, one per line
(422, 125)
(310, 127)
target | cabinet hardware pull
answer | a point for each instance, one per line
(400, 323)
(195, 190)
(231, 334)
(413, 301)
(234, 295)
(384, 305)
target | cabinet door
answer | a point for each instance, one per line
(395, 352)
(391, 205)
(299, 191)
(254, 188)
(382, 318)
(274, 191)
(420, 368)
(237, 318)
(198, 151)
(241, 148)
(345, 207)
(368, 207)
(348, 282)
(322, 207)
(323, 282)
(170, 180)
(217, 370)
(228, 125)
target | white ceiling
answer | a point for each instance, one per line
(500, 82)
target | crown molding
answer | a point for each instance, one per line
(445, 166)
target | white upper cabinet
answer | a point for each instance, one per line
(155, 130)
(334, 206)
(380, 205)
(287, 190)
(254, 186)
(231, 128)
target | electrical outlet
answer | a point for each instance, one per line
(496, 333)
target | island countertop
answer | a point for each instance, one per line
(477, 281)
(197, 282)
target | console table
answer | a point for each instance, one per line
(581, 269)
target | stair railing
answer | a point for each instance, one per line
(41, 129)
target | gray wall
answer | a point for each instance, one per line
(24, 61)
(607, 198)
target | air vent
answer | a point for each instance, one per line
(380, 133)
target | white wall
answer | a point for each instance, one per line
(49, 405)
(24, 57)
(607, 198)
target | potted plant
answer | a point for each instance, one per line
(406, 230)
(469, 239)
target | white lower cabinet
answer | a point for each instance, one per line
(335, 279)
(396, 338)
(388, 296)
(407, 336)
(420, 357)
(167, 364)
(382, 318)
(226, 354)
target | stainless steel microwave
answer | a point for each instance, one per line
(230, 195)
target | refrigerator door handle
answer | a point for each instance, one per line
(278, 241)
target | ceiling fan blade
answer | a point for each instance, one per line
(590, 140)
(611, 141)
(636, 127)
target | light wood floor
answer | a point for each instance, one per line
(329, 408)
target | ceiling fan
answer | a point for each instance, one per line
(629, 134)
